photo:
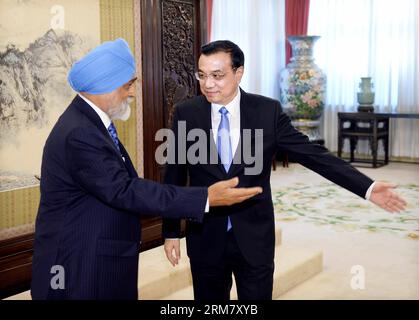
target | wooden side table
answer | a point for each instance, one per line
(364, 125)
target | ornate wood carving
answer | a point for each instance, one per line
(179, 53)
(172, 32)
(171, 38)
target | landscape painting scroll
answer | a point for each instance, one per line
(39, 42)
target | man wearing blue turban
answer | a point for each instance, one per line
(87, 232)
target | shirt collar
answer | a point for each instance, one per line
(233, 107)
(102, 115)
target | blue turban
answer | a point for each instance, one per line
(104, 69)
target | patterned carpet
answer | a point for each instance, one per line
(326, 204)
(314, 213)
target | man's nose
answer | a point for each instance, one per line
(132, 91)
(209, 82)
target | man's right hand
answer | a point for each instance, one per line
(224, 193)
(172, 249)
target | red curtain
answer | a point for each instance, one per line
(209, 17)
(296, 20)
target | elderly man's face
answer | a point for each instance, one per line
(119, 100)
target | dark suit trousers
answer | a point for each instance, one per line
(213, 282)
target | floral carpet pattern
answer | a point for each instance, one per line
(327, 204)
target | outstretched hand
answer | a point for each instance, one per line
(384, 197)
(225, 193)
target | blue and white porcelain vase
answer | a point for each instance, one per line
(303, 87)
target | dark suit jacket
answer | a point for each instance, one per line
(88, 218)
(252, 220)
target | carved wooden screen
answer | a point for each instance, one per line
(172, 34)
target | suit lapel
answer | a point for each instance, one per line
(245, 123)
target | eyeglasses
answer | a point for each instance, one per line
(216, 76)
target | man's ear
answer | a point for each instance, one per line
(239, 73)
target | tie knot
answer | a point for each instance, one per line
(223, 111)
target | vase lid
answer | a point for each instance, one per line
(301, 37)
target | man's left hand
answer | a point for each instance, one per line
(384, 197)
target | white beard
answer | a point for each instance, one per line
(124, 111)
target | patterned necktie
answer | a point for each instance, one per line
(224, 145)
(114, 135)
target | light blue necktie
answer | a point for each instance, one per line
(224, 145)
(114, 135)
